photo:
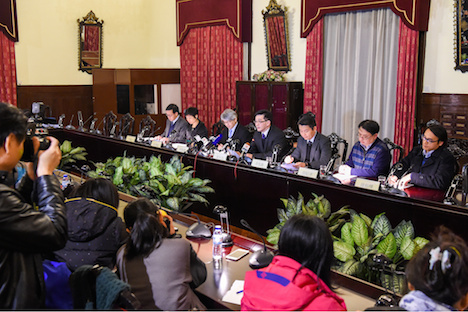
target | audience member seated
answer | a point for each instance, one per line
(234, 130)
(176, 127)
(95, 231)
(196, 127)
(299, 276)
(438, 275)
(370, 156)
(267, 137)
(429, 165)
(32, 216)
(162, 271)
(313, 148)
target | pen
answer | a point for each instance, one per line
(239, 291)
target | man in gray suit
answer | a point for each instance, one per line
(313, 149)
(176, 126)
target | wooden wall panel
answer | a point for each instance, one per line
(66, 100)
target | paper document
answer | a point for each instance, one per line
(234, 295)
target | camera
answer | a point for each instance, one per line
(44, 143)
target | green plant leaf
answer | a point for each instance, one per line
(407, 248)
(118, 176)
(388, 246)
(285, 202)
(366, 219)
(381, 225)
(402, 230)
(419, 243)
(273, 235)
(172, 203)
(350, 267)
(343, 251)
(346, 234)
(282, 216)
(359, 231)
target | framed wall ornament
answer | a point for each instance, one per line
(461, 35)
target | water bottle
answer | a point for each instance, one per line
(65, 181)
(217, 246)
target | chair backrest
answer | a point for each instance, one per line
(109, 123)
(335, 140)
(217, 128)
(147, 126)
(127, 124)
(393, 146)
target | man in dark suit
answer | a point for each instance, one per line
(267, 137)
(176, 126)
(233, 130)
(313, 148)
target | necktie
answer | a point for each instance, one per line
(309, 146)
(171, 127)
(231, 133)
(263, 136)
(424, 161)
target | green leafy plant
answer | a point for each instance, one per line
(170, 184)
(362, 238)
(71, 154)
(317, 206)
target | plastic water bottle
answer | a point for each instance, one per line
(217, 246)
(65, 181)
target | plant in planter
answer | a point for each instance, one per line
(317, 206)
(169, 184)
(71, 154)
(362, 238)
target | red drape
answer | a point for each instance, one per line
(406, 86)
(313, 82)
(210, 65)
(7, 70)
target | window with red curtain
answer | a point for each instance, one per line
(210, 64)
(7, 70)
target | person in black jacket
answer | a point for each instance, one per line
(233, 130)
(95, 231)
(267, 137)
(26, 232)
(430, 165)
(195, 127)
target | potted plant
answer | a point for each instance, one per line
(70, 154)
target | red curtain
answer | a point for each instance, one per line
(313, 86)
(7, 70)
(406, 86)
(210, 65)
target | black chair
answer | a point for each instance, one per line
(147, 127)
(217, 128)
(392, 146)
(109, 124)
(335, 140)
(127, 124)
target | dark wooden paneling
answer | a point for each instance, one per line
(66, 100)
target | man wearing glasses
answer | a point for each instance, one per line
(429, 165)
(267, 137)
(370, 156)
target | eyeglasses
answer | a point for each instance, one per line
(429, 140)
(260, 121)
(363, 136)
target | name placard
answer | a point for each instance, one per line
(367, 184)
(307, 172)
(130, 138)
(219, 155)
(260, 163)
(182, 148)
(156, 144)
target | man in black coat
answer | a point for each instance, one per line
(267, 137)
(313, 148)
(233, 130)
(430, 165)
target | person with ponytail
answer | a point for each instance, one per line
(161, 271)
(299, 276)
(437, 275)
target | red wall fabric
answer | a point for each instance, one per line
(7, 70)
(414, 13)
(8, 21)
(210, 65)
(406, 86)
(313, 82)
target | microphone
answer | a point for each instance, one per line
(450, 194)
(123, 129)
(60, 121)
(245, 149)
(215, 141)
(407, 171)
(80, 121)
(331, 162)
(234, 144)
(276, 150)
(70, 126)
(262, 257)
(89, 118)
(112, 131)
(152, 133)
(396, 167)
(196, 230)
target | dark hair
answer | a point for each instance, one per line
(266, 114)
(307, 119)
(307, 240)
(12, 120)
(99, 189)
(147, 232)
(439, 132)
(191, 111)
(370, 126)
(174, 108)
(447, 287)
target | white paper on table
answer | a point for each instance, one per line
(235, 294)
(341, 176)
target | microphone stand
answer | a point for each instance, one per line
(70, 126)
(262, 257)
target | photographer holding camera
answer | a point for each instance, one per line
(32, 218)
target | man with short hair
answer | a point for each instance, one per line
(313, 148)
(370, 156)
(176, 127)
(233, 130)
(27, 232)
(267, 137)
